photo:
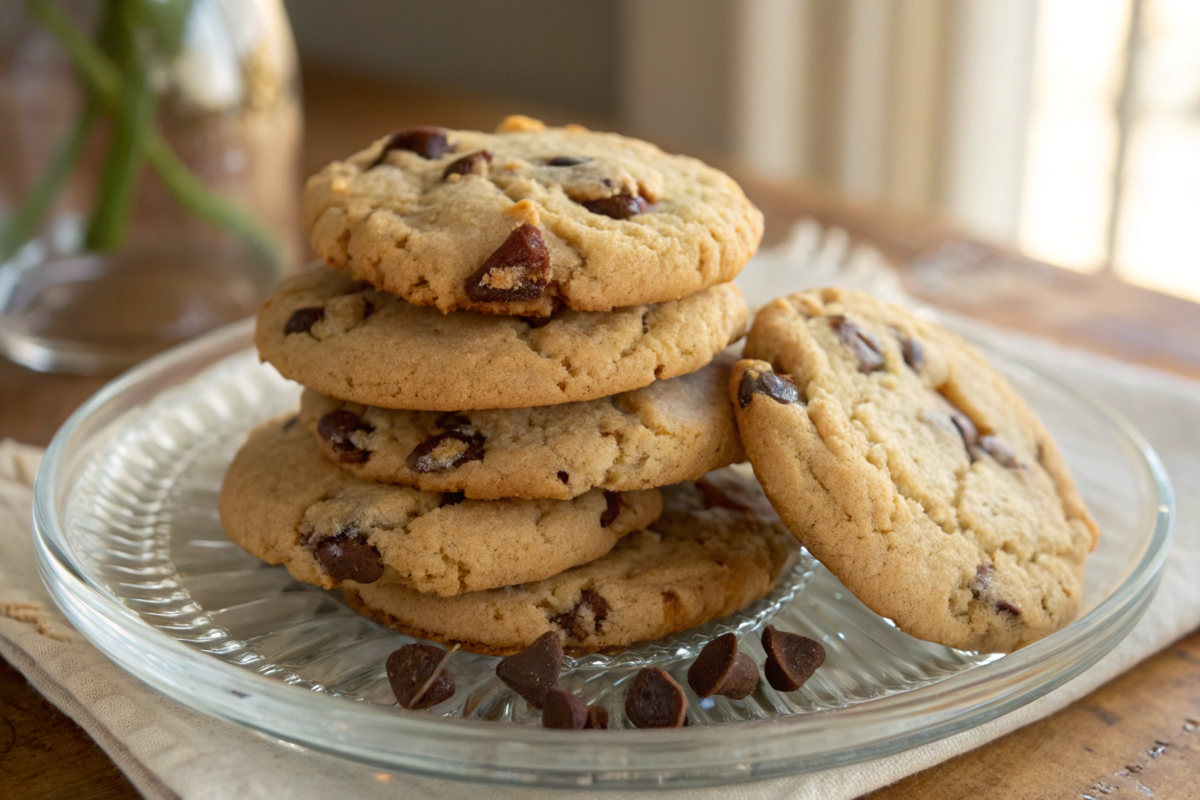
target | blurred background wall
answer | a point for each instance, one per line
(1070, 128)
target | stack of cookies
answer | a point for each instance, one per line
(515, 392)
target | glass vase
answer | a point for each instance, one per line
(131, 220)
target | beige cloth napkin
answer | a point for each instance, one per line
(168, 750)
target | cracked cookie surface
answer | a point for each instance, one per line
(713, 552)
(617, 221)
(667, 432)
(283, 502)
(344, 339)
(904, 462)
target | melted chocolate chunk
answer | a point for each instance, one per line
(426, 141)
(721, 669)
(348, 557)
(864, 344)
(913, 351)
(655, 700)
(1008, 608)
(410, 668)
(619, 206)
(336, 427)
(791, 658)
(302, 320)
(445, 451)
(563, 710)
(518, 270)
(612, 508)
(564, 476)
(531, 672)
(468, 164)
(567, 161)
(574, 622)
(777, 387)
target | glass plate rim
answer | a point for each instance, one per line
(645, 757)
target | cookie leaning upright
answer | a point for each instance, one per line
(528, 219)
(910, 468)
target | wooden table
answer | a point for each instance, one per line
(1140, 730)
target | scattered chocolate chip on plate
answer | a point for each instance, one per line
(531, 672)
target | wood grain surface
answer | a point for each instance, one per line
(1134, 737)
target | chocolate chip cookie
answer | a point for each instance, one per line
(344, 339)
(529, 219)
(904, 462)
(285, 503)
(704, 558)
(667, 432)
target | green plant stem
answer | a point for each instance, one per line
(130, 121)
(20, 226)
(105, 81)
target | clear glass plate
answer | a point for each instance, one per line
(130, 545)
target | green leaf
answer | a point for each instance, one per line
(131, 119)
(104, 80)
(20, 227)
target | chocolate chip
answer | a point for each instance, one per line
(597, 718)
(426, 141)
(531, 672)
(1008, 608)
(1000, 450)
(966, 429)
(612, 508)
(348, 557)
(655, 700)
(567, 161)
(619, 206)
(445, 451)
(575, 623)
(561, 709)
(410, 668)
(454, 421)
(302, 320)
(468, 164)
(564, 476)
(914, 353)
(864, 344)
(983, 579)
(721, 669)
(518, 270)
(777, 387)
(791, 658)
(336, 428)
